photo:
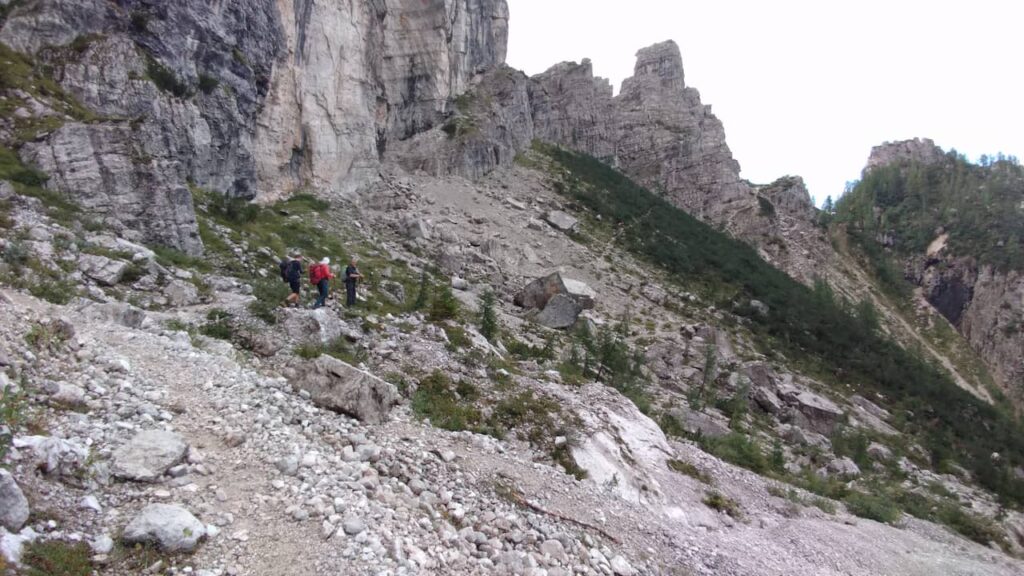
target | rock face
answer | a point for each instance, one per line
(242, 98)
(337, 386)
(147, 456)
(13, 504)
(329, 121)
(103, 270)
(170, 527)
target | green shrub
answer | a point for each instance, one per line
(207, 84)
(737, 449)
(444, 306)
(873, 507)
(53, 291)
(457, 337)
(309, 350)
(523, 351)
(218, 325)
(718, 501)
(57, 558)
(165, 79)
(436, 400)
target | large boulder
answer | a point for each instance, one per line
(561, 221)
(105, 271)
(561, 312)
(13, 504)
(337, 386)
(822, 414)
(147, 456)
(181, 293)
(170, 527)
(536, 294)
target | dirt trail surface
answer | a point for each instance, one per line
(285, 488)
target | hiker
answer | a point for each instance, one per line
(352, 276)
(320, 276)
(291, 272)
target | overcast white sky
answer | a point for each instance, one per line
(808, 87)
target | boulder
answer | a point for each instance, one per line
(767, 401)
(536, 294)
(701, 423)
(181, 293)
(801, 437)
(147, 456)
(13, 504)
(393, 291)
(561, 221)
(114, 313)
(105, 271)
(879, 452)
(321, 325)
(170, 527)
(844, 467)
(560, 312)
(337, 386)
(822, 414)
(54, 456)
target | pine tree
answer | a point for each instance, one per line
(488, 317)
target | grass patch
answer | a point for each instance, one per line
(57, 558)
(218, 325)
(437, 400)
(457, 337)
(722, 503)
(738, 449)
(873, 507)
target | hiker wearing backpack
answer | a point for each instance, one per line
(291, 273)
(352, 276)
(320, 276)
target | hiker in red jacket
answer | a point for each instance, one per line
(320, 276)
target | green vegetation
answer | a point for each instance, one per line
(978, 205)
(811, 324)
(339, 348)
(690, 470)
(207, 84)
(488, 317)
(437, 400)
(57, 558)
(12, 414)
(740, 450)
(457, 337)
(872, 507)
(607, 357)
(443, 306)
(218, 325)
(165, 79)
(718, 501)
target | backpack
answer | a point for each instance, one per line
(283, 264)
(316, 274)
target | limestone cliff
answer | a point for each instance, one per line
(247, 99)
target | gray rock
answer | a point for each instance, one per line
(337, 386)
(103, 270)
(353, 526)
(181, 293)
(561, 221)
(767, 400)
(55, 456)
(459, 283)
(700, 423)
(620, 567)
(13, 504)
(172, 528)
(102, 544)
(559, 313)
(879, 452)
(147, 456)
(320, 326)
(393, 291)
(822, 414)
(844, 467)
(536, 294)
(67, 395)
(119, 313)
